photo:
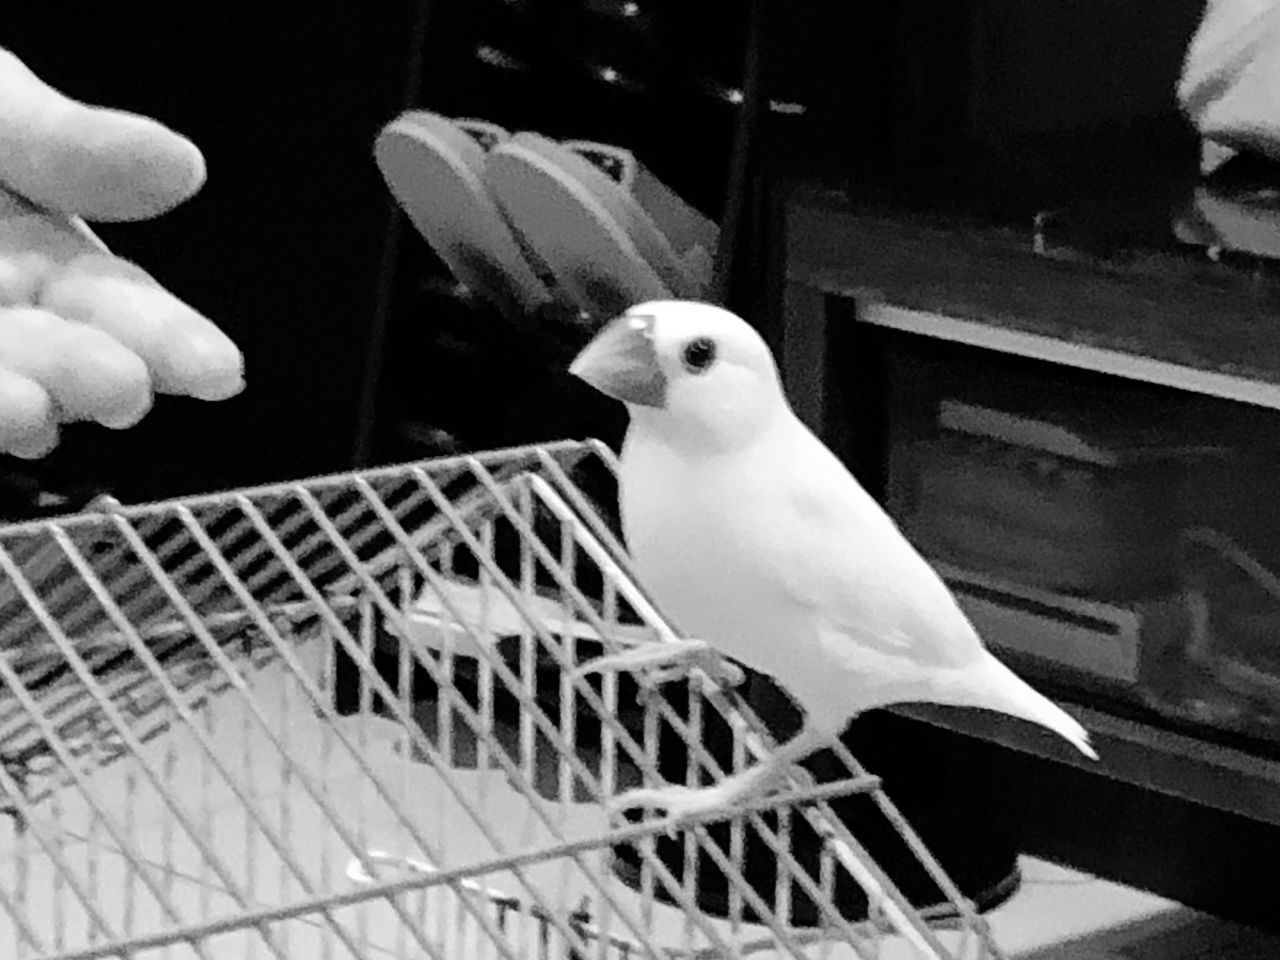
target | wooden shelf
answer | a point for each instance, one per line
(1035, 346)
(1166, 319)
(1143, 316)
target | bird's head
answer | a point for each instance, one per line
(691, 372)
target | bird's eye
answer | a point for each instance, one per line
(699, 354)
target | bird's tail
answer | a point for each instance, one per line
(996, 687)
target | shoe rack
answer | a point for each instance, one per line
(681, 86)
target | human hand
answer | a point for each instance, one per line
(84, 334)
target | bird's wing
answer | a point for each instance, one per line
(842, 557)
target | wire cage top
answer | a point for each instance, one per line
(340, 717)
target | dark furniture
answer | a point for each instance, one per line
(1176, 806)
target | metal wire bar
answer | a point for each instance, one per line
(900, 909)
(278, 844)
(352, 650)
(462, 707)
(968, 913)
(30, 823)
(229, 671)
(731, 874)
(388, 889)
(548, 728)
(590, 517)
(318, 702)
(129, 683)
(802, 936)
(550, 731)
(133, 621)
(107, 706)
(691, 737)
(199, 590)
(15, 685)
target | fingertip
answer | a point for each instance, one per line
(28, 427)
(201, 361)
(36, 445)
(148, 170)
(189, 165)
(186, 353)
(88, 375)
(106, 165)
(116, 389)
(24, 404)
(127, 410)
(222, 388)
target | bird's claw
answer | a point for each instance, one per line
(680, 803)
(669, 660)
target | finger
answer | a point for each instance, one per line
(22, 277)
(37, 445)
(99, 163)
(185, 353)
(60, 238)
(27, 425)
(86, 373)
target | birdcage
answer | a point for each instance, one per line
(340, 718)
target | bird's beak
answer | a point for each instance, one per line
(622, 363)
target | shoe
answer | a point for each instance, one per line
(610, 232)
(435, 169)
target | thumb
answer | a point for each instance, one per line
(102, 164)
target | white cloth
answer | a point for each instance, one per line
(1230, 83)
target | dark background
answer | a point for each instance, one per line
(294, 249)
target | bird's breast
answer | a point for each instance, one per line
(696, 550)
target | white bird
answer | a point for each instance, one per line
(754, 538)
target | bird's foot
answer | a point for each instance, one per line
(680, 803)
(667, 660)
(683, 803)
